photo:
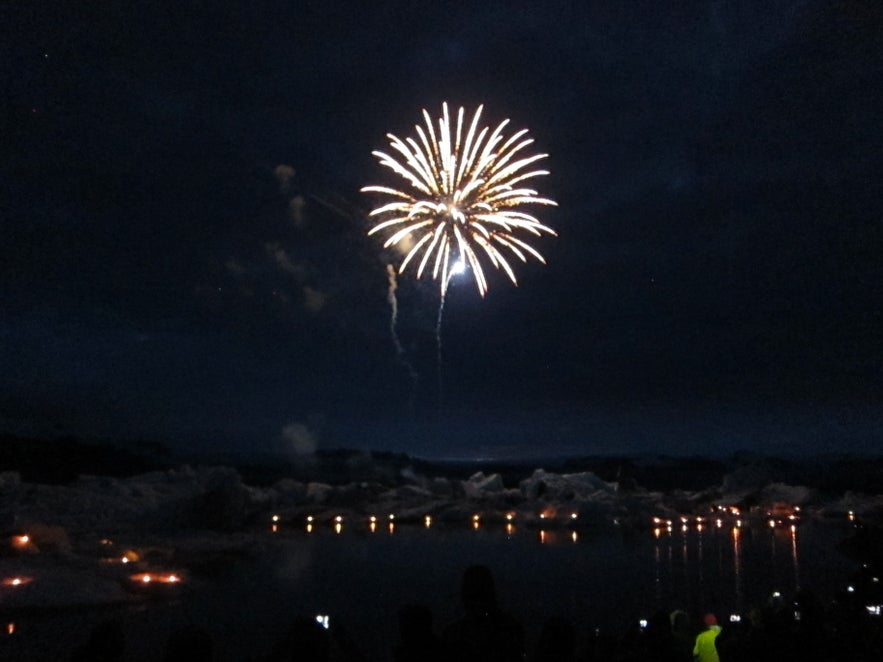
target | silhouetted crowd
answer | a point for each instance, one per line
(780, 630)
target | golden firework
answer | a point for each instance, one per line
(464, 204)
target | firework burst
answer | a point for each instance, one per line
(464, 203)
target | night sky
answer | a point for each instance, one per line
(184, 256)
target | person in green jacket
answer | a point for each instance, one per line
(705, 650)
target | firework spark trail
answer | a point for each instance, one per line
(393, 320)
(464, 203)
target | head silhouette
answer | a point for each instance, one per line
(477, 589)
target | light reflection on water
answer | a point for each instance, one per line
(598, 577)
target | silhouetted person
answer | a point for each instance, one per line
(658, 644)
(417, 641)
(106, 643)
(557, 642)
(485, 633)
(683, 637)
(305, 641)
(189, 644)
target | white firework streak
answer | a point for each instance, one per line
(465, 198)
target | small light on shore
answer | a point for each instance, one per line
(22, 540)
(427, 521)
(309, 518)
(338, 519)
(772, 524)
(475, 518)
(573, 515)
(16, 581)
(149, 578)
(372, 519)
(391, 517)
(10, 628)
(275, 518)
(510, 517)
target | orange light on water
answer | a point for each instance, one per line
(158, 578)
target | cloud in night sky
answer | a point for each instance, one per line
(299, 439)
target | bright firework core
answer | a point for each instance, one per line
(464, 200)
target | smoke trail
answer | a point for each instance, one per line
(458, 268)
(393, 319)
(438, 346)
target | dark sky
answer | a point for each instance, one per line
(184, 254)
